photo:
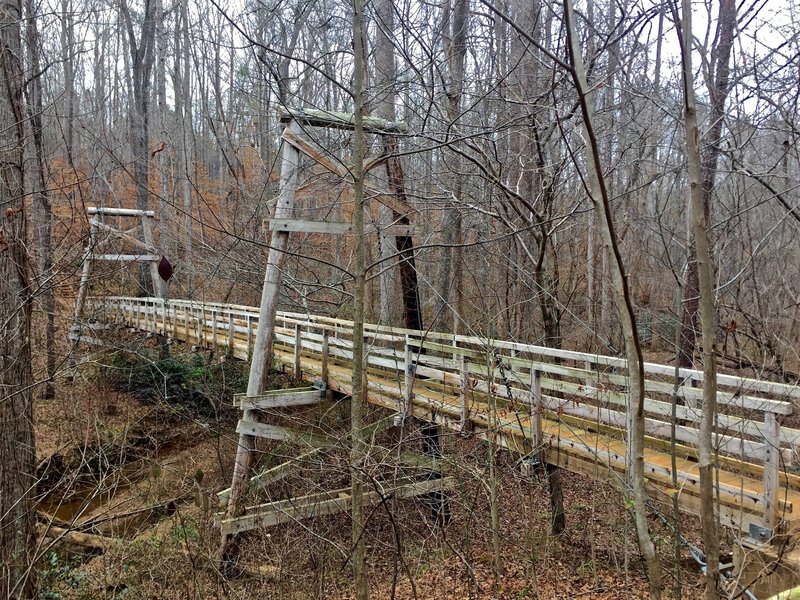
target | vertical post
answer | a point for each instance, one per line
(298, 341)
(463, 380)
(772, 440)
(324, 375)
(249, 336)
(262, 348)
(408, 381)
(147, 234)
(84, 283)
(437, 499)
(536, 415)
(591, 382)
(214, 329)
(231, 327)
(186, 331)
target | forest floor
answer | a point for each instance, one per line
(137, 474)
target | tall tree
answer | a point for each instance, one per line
(718, 88)
(42, 212)
(142, 57)
(358, 400)
(598, 191)
(699, 192)
(17, 455)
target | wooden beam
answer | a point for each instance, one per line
(298, 226)
(126, 257)
(339, 120)
(301, 397)
(119, 212)
(271, 475)
(124, 235)
(325, 503)
(273, 432)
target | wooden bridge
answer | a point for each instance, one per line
(561, 407)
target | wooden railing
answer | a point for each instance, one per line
(526, 385)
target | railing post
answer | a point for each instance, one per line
(249, 336)
(324, 375)
(463, 381)
(297, 344)
(201, 324)
(772, 464)
(536, 415)
(186, 331)
(230, 333)
(214, 329)
(408, 382)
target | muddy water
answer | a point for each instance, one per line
(84, 488)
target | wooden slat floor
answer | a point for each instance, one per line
(571, 443)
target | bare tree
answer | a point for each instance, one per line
(142, 56)
(633, 349)
(701, 176)
(17, 455)
(358, 400)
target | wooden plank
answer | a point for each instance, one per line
(299, 226)
(125, 257)
(772, 466)
(290, 398)
(338, 120)
(270, 475)
(116, 233)
(119, 212)
(273, 432)
(325, 503)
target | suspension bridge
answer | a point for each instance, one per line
(559, 407)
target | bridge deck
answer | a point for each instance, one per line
(566, 405)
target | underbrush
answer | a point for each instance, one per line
(190, 383)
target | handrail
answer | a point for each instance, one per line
(513, 372)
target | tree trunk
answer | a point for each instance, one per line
(450, 267)
(718, 91)
(42, 214)
(142, 51)
(358, 401)
(187, 152)
(701, 174)
(17, 455)
(622, 296)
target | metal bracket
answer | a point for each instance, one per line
(759, 533)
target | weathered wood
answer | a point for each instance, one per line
(772, 466)
(299, 397)
(537, 408)
(125, 257)
(338, 120)
(270, 475)
(116, 233)
(262, 348)
(580, 422)
(324, 503)
(273, 432)
(327, 227)
(119, 212)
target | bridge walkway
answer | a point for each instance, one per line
(563, 407)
